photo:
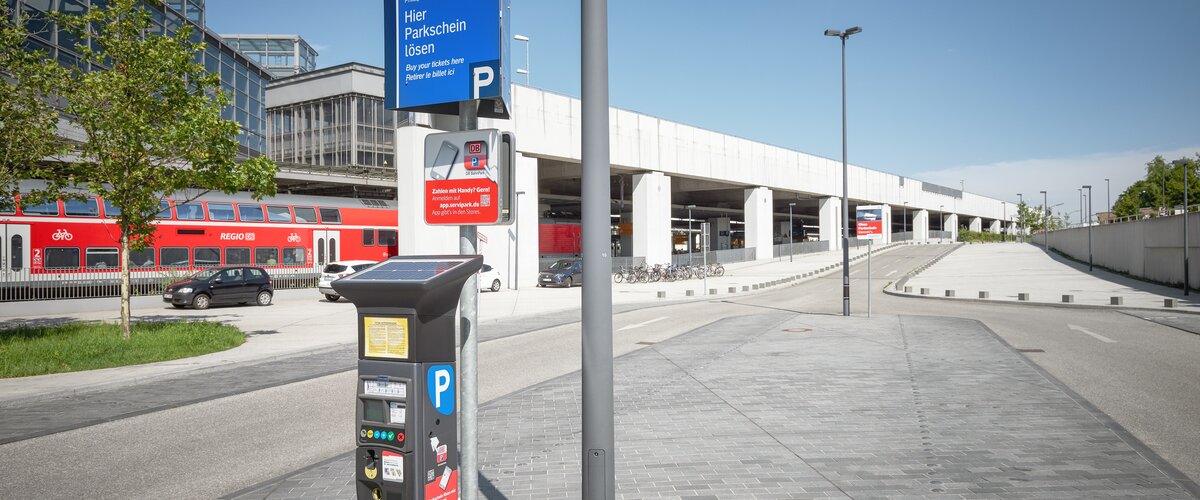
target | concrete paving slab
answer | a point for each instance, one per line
(1007, 270)
(807, 406)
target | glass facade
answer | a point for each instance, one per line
(241, 78)
(282, 55)
(350, 131)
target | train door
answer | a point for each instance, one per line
(327, 247)
(14, 252)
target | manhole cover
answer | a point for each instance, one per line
(797, 330)
(1031, 350)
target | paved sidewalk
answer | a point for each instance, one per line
(300, 322)
(1005, 270)
(810, 406)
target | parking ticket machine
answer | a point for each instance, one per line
(406, 420)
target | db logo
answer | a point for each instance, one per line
(62, 235)
(293, 238)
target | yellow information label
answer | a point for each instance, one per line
(385, 337)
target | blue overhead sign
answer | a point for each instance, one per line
(441, 52)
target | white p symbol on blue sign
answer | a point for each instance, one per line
(440, 381)
(481, 78)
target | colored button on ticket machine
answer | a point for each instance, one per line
(407, 420)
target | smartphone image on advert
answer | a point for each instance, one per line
(444, 161)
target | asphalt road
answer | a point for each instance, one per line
(1142, 376)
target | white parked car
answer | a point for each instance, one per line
(489, 278)
(335, 270)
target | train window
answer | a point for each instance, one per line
(237, 255)
(249, 213)
(102, 258)
(330, 216)
(111, 211)
(173, 257)
(266, 256)
(43, 209)
(368, 237)
(207, 256)
(306, 215)
(82, 208)
(189, 211)
(141, 258)
(17, 251)
(8, 205)
(164, 209)
(387, 237)
(62, 258)
(293, 256)
(276, 213)
(220, 211)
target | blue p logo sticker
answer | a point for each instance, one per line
(440, 381)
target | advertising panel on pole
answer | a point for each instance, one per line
(868, 222)
(468, 178)
(438, 53)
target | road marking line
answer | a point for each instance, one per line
(1096, 335)
(893, 271)
(637, 325)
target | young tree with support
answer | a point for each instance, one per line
(152, 116)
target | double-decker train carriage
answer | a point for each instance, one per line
(70, 248)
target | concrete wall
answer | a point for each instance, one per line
(1150, 248)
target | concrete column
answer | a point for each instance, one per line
(976, 224)
(652, 217)
(829, 221)
(920, 226)
(417, 238)
(995, 227)
(759, 214)
(952, 226)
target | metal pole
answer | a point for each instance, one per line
(1089, 225)
(1108, 198)
(1186, 279)
(599, 464)
(869, 277)
(1046, 222)
(468, 300)
(691, 259)
(791, 239)
(845, 197)
(704, 230)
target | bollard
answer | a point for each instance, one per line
(745, 288)
(712, 291)
(1068, 299)
(733, 289)
(949, 293)
(662, 295)
(1168, 302)
(690, 293)
(1023, 296)
(755, 286)
(1116, 301)
(924, 291)
(908, 289)
(983, 295)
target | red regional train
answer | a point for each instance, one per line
(76, 242)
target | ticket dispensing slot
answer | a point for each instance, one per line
(406, 417)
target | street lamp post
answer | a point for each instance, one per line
(523, 38)
(1089, 224)
(906, 217)
(791, 238)
(1186, 281)
(1108, 198)
(1020, 203)
(845, 177)
(942, 218)
(1080, 205)
(1046, 222)
(689, 238)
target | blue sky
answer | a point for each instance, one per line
(1009, 96)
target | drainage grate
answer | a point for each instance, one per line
(1031, 350)
(797, 330)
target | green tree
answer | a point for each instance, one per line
(29, 85)
(152, 116)
(1161, 188)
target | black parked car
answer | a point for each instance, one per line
(221, 285)
(565, 272)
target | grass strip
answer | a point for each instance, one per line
(40, 350)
